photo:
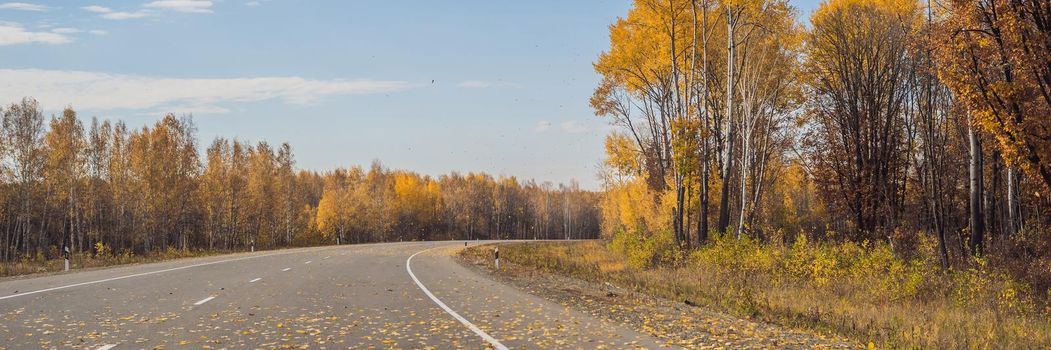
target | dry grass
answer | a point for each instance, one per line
(863, 293)
(39, 264)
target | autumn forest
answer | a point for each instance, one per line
(877, 121)
(104, 188)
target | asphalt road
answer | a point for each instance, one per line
(335, 297)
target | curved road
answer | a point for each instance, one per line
(334, 297)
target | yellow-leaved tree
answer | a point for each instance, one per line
(995, 55)
(331, 215)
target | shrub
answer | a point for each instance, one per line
(744, 256)
(101, 250)
(646, 251)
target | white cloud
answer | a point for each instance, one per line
(98, 32)
(105, 91)
(193, 6)
(126, 15)
(12, 33)
(96, 9)
(481, 84)
(22, 6)
(573, 127)
(188, 109)
(542, 126)
(108, 13)
(253, 3)
(66, 30)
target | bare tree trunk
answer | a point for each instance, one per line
(677, 111)
(679, 202)
(702, 216)
(686, 219)
(745, 149)
(976, 221)
(933, 142)
(1013, 223)
(724, 198)
(935, 195)
(992, 212)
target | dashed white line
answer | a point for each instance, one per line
(286, 269)
(255, 280)
(495, 343)
(202, 301)
(309, 261)
(106, 347)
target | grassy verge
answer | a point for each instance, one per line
(37, 265)
(874, 297)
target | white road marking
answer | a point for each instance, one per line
(495, 343)
(309, 261)
(136, 275)
(325, 258)
(202, 301)
(106, 347)
(255, 280)
(286, 269)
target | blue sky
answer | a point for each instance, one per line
(431, 86)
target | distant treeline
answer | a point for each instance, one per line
(139, 190)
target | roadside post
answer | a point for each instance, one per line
(496, 253)
(253, 246)
(66, 256)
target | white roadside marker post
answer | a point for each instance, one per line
(496, 252)
(65, 256)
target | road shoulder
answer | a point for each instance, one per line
(673, 322)
(517, 318)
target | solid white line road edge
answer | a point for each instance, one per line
(205, 300)
(137, 275)
(495, 343)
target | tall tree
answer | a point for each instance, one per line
(23, 127)
(97, 161)
(977, 219)
(734, 11)
(765, 99)
(286, 190)
(64, 171)
(858, 69)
